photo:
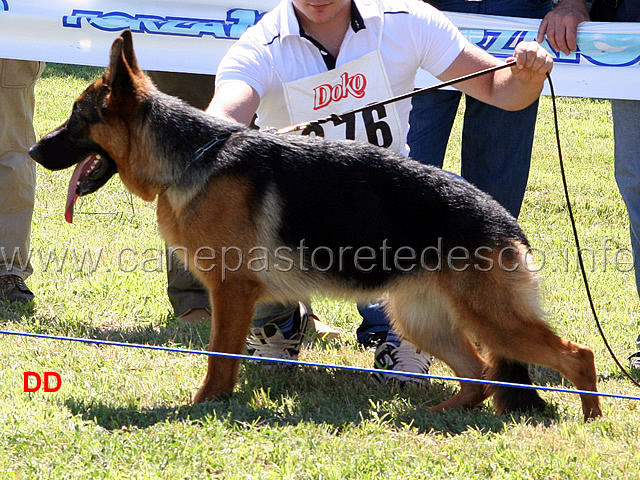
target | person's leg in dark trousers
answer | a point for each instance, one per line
(431, 119)
(496, 144)
(496, 150)
(188, 297)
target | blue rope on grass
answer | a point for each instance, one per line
(314, 364)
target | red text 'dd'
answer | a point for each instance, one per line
(49, 381)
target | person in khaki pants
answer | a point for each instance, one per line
(17, 175)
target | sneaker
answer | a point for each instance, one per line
(403, 357)
(271, 342)
(634, 361)
(13, 289)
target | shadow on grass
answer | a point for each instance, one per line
(15, 311)
(633, 372)
(293, 396)
(286, 396)
(168, 332)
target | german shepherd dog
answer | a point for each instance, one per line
(285, 217)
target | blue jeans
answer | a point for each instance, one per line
(510, 8)
(496, 144)
(272, 312)
(374, 328)
(626, 130)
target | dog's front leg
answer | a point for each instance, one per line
(233, 303)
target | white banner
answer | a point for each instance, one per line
(192, 36)
(607, 64)
(182, 36)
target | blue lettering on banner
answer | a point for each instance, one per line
(601, 49)
(237, 21)
(488, 39)
(515, 39)
(5, 5)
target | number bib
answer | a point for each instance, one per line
(352, 85)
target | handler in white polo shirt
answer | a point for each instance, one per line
(307, 59)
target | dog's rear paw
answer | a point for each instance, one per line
(207, 393)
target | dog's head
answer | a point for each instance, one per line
(95, 137)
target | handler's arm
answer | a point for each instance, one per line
(513, 88)
(234, 101)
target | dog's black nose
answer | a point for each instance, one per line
(34, 152)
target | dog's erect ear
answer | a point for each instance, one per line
(123, 66)
(129, 54)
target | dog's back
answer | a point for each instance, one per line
(334, 195)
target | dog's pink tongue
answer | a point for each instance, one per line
(72, 196)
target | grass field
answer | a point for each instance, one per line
(124, 413)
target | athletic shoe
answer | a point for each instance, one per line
(403, 357)
(634, 361)
(277, 339)
(13, 289)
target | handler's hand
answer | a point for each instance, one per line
(561, 25)
(532, 62)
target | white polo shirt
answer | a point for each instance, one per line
(272, 53)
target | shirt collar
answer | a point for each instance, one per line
(362, 11)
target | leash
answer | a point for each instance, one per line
(283, 361)
(577, 239)
(338, 118)
(197, 156)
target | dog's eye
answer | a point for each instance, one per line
(75, 124)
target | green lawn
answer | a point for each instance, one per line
(124, 413)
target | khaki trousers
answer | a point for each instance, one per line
(17, 169)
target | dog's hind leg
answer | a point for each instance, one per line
(233, 303)
(455, 349)
(536, 343)
(503, 314)
(424, 319)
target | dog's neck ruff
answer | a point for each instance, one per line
(198, 155)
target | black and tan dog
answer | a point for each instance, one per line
(264, 217)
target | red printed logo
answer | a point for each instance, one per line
(348, 85)
(45, 381)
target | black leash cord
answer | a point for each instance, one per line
(576, 238)
(397, 98)
(301, 126)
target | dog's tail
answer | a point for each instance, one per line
(510, 399)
